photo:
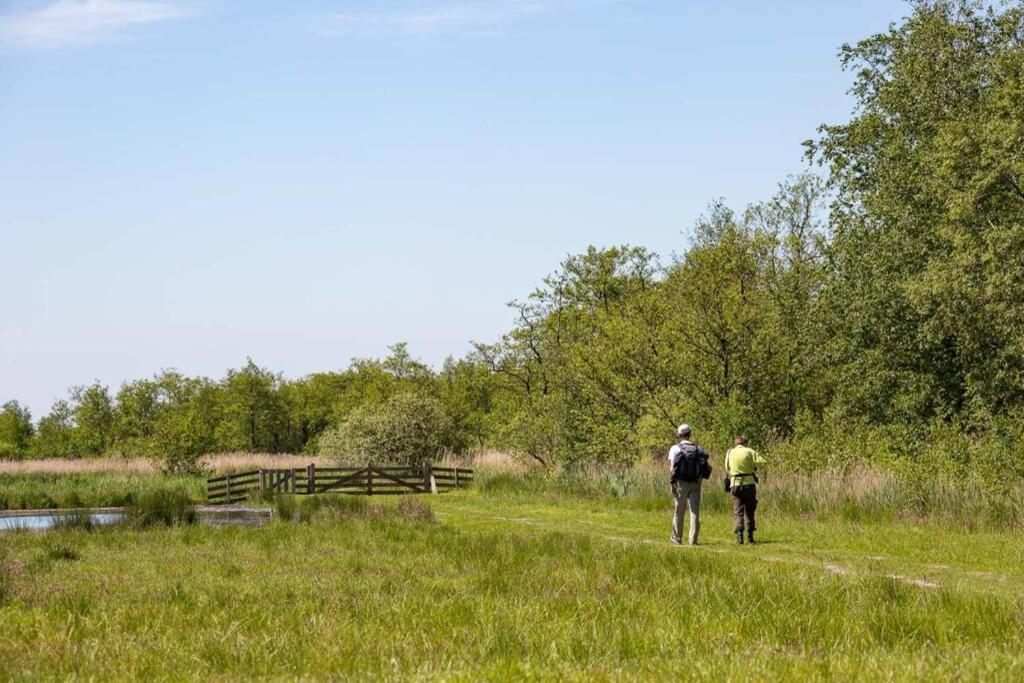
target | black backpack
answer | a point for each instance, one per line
(691, 464)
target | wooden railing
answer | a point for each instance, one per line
(367, 481)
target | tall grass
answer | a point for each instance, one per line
(853, 495)
(170, 507)
(76, 520)
(337, 507)
(6, 576)
(370, 597)
(100, 489)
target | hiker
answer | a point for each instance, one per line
(688, 467)
(740, 465)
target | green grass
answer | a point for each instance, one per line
(94, 489)
(855, 496)
(505, 586)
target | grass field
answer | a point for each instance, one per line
(504, 584)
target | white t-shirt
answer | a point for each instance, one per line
(674, 451)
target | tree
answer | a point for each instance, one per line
(310, 404)
(929, 212)
(93, 412)
(138, 405)
(16, 430)
(55, 435)
(254, 417)
(187, 427)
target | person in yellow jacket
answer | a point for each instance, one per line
(741, 462)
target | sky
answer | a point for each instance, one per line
(188, 183)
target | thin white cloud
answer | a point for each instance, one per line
(444, 16)
(74, 22)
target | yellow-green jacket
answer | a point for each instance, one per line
(741, 463)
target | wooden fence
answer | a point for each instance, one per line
(366, 481)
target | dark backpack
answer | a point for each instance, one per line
(691, 464)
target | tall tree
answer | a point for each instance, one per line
(929, 181)
(93, 412)
(254, 417)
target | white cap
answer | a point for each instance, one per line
(684, 430)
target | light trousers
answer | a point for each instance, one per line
(687, 497)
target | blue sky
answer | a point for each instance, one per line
(187, 183)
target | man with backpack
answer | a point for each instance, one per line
(741, 463)
(688, 467)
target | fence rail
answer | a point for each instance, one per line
(364, 481)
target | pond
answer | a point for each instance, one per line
(39, 520)
(36, 521)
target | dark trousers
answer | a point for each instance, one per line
(744, 503)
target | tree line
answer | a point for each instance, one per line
(879, 296)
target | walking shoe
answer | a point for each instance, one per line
(739, 537)
(750, 537)
(677, 541)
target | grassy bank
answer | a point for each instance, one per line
(512, 586)
(97, 489)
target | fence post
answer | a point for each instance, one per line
(426, 476)
(456, 476)
(263, 481)
(291, 482)
(311, 478)
(227, 489)
(369, 479)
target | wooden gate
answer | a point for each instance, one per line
(365, 481)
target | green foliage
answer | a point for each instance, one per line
(407, 429)
(55, 434)
(929, 218)
(16, 430)
(253, 417)
(92, 409)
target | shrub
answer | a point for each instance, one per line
(161, 506)
(408, 429)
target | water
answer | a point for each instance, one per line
(47, 520)
(40, 521)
